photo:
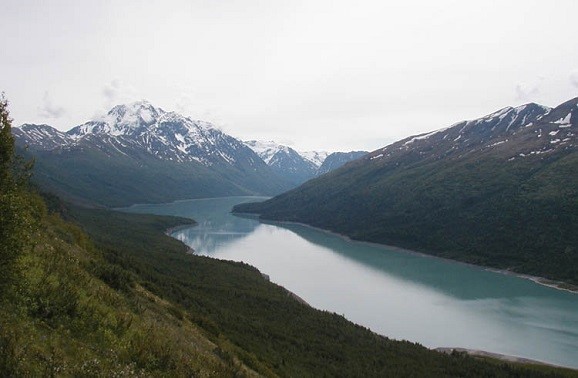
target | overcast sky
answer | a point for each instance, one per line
(326, 75)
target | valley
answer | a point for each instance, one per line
(139, 153)
(298, 189)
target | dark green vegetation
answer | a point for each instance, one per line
(506, 197)
(114, 296)
(100, 174)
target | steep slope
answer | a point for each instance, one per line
(140, 153)
(501, 190)
(338, 159)
(76, 314)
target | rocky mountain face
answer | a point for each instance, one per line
(141, 153)
(501, 190)
(144, 128)
(298, 167)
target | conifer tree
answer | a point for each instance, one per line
(6, 145)
(17, 212)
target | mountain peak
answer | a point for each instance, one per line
(141, 112)
(125, 119)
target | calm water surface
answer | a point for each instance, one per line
(435, 302)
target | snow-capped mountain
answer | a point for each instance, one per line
(284, 160)
(192, 157)
(166, 135)
(529, 129)
(267, 149)
(299, 167)
(316, 157)
(42, 137)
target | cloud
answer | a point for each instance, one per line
(191, 105)
(184, 104)
(111, 90)
(527, 92)
(48, 109)
(117, 92)
(574, 78)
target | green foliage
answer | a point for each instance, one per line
(75, 314)
(18, 208)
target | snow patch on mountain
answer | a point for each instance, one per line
(502, 131)
(266, 149)
(316, 157)
(565, 121)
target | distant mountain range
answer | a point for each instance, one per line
(500, 191)
(140, 153)
(298, 167)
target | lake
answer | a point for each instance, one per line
(402, 295)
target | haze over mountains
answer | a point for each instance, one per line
(500, 191)
(141, 153)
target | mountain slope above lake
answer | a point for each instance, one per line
(500, 191)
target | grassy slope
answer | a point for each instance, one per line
(521, 215)
(75, 314)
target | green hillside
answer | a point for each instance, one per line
(111, 178)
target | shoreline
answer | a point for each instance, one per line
(553, 284)
(265, 276)
(169, 231)
(499, 356)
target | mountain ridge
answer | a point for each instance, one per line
(297, 166)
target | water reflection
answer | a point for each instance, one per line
(452, 278)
